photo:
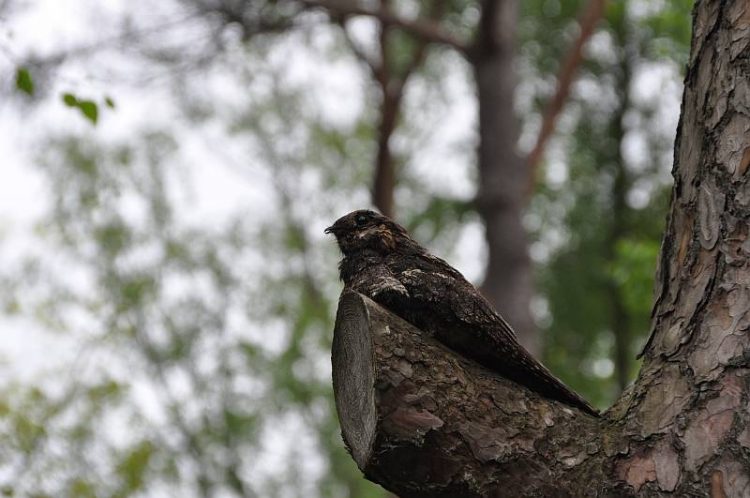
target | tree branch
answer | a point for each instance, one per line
(392, 83)
(372, 65)
(384, 180)
(568, 70)
(421, 420)
(425, 29)
(420, 53)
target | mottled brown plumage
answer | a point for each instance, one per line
(384, 263)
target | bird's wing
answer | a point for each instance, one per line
(435, 281)
(439, 300)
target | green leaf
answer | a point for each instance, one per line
(89, 109)
(24, 82)
(69, 99)
(109, 102)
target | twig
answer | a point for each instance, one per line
(568, 70)
(392, 86)
(425, 29)
(356, 49)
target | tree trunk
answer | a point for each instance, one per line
(384, 179)
(503, 175)
(384, 182)
(621, 183)
(423, 421)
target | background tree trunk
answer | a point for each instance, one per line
(437, 425)
(503, 175)
(618, 229)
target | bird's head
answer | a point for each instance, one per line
(364, 229)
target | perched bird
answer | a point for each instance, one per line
(381, 261)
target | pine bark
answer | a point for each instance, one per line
(423, 421)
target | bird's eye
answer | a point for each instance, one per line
(361, 219)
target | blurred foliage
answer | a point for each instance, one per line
(88, 108)
(203, 349)
(604, 211)
(24, 82)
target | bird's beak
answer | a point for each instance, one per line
(330, 229)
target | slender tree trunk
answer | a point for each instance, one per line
(391, 82)
(618, 229)
(423, 421)
(503, 175)
(384, 183)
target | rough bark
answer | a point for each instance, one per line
(422, 421)
(690, 402)
(503, 176)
